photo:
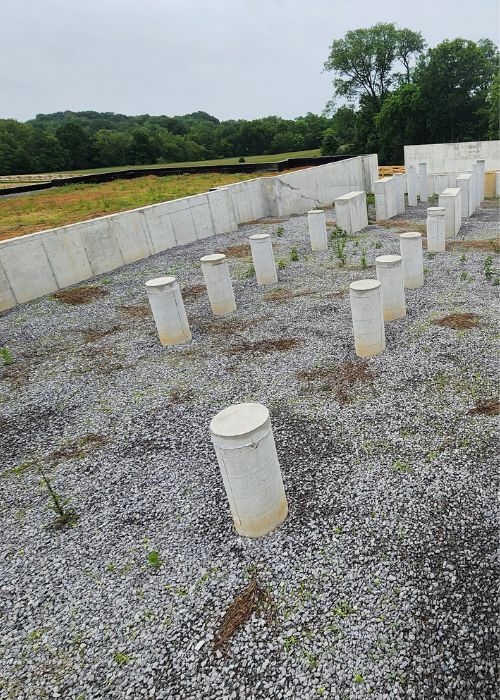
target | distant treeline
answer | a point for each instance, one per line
(448, 93)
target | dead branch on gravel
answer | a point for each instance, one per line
(253, 599)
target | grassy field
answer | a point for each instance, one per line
(41, 177)
(71, 203)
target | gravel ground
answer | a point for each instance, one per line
(382, 579)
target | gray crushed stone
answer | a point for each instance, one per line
(384, 576)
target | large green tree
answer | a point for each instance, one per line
(365, 61)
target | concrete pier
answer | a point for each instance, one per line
(317, 229)
(390, 275)
(413, 263)
(168, 311)
(244, 444)
(351, 213)
(263, 258)
(465, 182)
(482, 169)
(451, 200)
(412, 183)
(400, 192)
(218, 281)
(423, 187)
(385, 198)
(436, 237)
(367, 317)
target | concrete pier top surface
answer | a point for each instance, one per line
(240, 419)
(160, 282)
(364, 285)
(388, 260)
(213, 259)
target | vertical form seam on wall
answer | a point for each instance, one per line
(8, 282)
(149, 239)
(50, 266)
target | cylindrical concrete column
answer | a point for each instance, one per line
(245, 449)
(263, 258)
(436, 235)
(317, 229)
(422, 182)
(218, 281)
(390, 275)
(413, 262)
(168, 311)
(367, 317)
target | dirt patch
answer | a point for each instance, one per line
(401, 225)
(225, 326)
(237, 251)
(193, 292)
(136, 311)
(77, 448)
(80, 295)
(486, 407)
(265, 221)
(252, 599)
(265, 346)
(181, 396)
(90, 335)
(489, 246)
(284, 294)
(458, 321)
(339, 379)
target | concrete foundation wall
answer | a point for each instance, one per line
(453, 157)
(41, 263)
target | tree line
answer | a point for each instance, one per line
(389, 90)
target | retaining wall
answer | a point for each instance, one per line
(41, 263)
(453, 157)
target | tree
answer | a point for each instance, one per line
(112, 147)
(76, 144)
(330, 144)
(493, 112)
(401, 121)
(364, 59)
(455, 78)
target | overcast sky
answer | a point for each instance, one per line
(231, 58)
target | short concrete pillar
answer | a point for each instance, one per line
(465, 182)
(218, 281)
(422, 182)
(412, 181)
(317, 229)
(436, 237)
(385, 198)
(390, 275)
(451, 199)
(482, 169)
(367, 317)
(245, 449)
(351, 213)
(475, 172)
(400, 192)
(263, 258)
(168, 310)
(410, 244)
(497, 183)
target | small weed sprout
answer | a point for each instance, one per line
(337, 232)
(250, 272)
(343, 609)
(463, 276)
(363, 261)
(463, 257)
(154, 559)
(401, 467)
(378, 245)
(294, 255)
(488, 267)
(6, 355)
(431, 255)
(281, 264)
(280, 231)
(65, 515)
(121, 659)
(358, 678)
(340, 251)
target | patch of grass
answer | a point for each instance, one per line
(281, 264)
(71, 203)
(154, 559)
(66, 516)
(6, 356)
(401, 467)
(294, 255)
(339, 379)
(121, 659)
(181, 396)
(79, 295)
(343, 609)
(340, 251)
(280, 231)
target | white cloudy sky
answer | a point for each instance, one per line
(231, 58)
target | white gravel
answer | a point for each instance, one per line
(384, 575)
